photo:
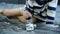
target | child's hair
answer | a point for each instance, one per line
(48, 0)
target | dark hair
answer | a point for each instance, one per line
(48, 0)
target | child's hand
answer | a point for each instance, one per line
(27, 14)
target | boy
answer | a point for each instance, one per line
(39, 10)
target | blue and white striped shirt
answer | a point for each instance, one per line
(45, 11)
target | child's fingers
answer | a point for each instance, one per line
(28, 14)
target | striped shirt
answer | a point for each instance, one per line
(45, 11)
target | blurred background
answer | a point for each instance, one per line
(14, 1)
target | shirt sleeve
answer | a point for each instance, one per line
(51, 9)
